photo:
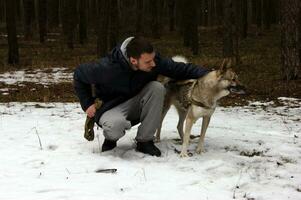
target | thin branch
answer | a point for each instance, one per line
(38, 138)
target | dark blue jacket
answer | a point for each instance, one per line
(115, 81)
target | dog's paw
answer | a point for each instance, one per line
(200, 151)
(184, 155)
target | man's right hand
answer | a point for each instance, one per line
(91, 111)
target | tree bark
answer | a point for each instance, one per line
(259, 13)
(42, 19)
(69, 22)
(290, 39)
(227, 29)
(171, 14)
(139, 18)
(267, 9)
(114, 23)
(155, 19)
(194, 28)
(102, 29)
(53, 14)
(2, 11)
(190, 26)
(244, 25)
(13, 48)
(82, 21)
(29, 10)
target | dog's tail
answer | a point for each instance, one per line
(163, 79)
(178, 58)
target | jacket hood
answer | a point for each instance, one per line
(119, 54)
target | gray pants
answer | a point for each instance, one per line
(145, 107)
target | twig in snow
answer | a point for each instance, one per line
(106, 171)
(98, 143)
(38, 138)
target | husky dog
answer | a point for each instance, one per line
(198, 98)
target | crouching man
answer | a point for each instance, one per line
(125, 83)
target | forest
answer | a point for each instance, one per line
(262, 37)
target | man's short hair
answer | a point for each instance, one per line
(138, 46)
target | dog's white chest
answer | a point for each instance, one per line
(201, 112)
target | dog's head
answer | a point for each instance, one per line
(223, 81)
(227, 79)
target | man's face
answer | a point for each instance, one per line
(145, 63)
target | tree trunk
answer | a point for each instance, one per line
(53, 14)
(2, 11)
(289, 39)
(267, 9)
(179, 15)
(259, 14)
(244, 21)
(102, 29)
(13, 48)
(42, 19)
(190, 26)
(227, 29)
(299, 26)
(171, 14)
(114, 23)
(194, 28)
(139, 18)
(69, 22)
(93, 12)
(29, 10)
(82, 21)
(205, 12)
(155, 19)
(237, 5)
(186, 24)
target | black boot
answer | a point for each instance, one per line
(108, 145)
(148, 148)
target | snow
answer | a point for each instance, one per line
(252, 152)
(46, 76)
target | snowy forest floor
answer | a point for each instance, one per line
(252, 152)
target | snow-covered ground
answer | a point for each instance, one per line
(253, 152)
(41, 76)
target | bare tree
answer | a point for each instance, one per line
(155, 19)
(228, 29)
(29, 13)
(114, 23)
(82, 21)
(53, 13)
(171, 13)
(190, 26)
(69, 21)
(102, 27)
(139, 18)
(290, 39)
(42, 19)
(2, 11)
(13, 48)
(244, 18)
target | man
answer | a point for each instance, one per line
(125, 82)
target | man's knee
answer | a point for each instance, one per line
(115, 128)
(156, 87)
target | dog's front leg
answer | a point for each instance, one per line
(188, 126)
(205, 123)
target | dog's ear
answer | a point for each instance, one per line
(226, 64)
